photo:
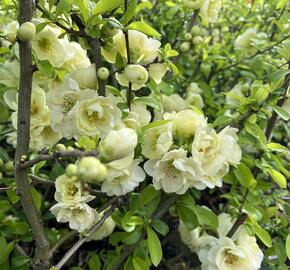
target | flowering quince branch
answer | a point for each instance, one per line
(58, 154)
(81, 241)
(41, 261)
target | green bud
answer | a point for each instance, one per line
(103, 73)
(26, 31)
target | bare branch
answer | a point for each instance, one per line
(22, 148)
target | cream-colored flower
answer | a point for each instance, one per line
(124, 175)
(138, 116)
(105, 230)
(225, 254)
(78, 57)
(85, 77)
(215, 152)
(97, 116)
(185, 123)
(135, 74)
(9, 31)
(39, 111)
(80, 216)
(209, 10)
(232, 97)
(69, 190)
(118, 144)
(244, 41)
(286, 105)
(90, 169)
(142, 48)
(173, 102)
(157, 141)
(48, 46)
(193, 88)
(10, 74)
(157, 71)
(174, 172)
(194, 100)
(43, 136)
(63, 102)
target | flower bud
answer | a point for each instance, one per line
(118, 144)
(136, 74)
(103, 73)
(26, 31)
(60, 147)
(197, 40)
(9, 166)
(185, 46)
(90, 169)
(71, 170)
(187, 36)
(11, 37)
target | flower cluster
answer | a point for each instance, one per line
(221, 252)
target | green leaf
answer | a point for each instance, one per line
(160, 226)
(94, 262)
(140, 264)
(5, 249)
(156, 124)
(144, 28)
(257, 132)
(19, 261)
(104, 5)
(276, 147)
(263, 235)
(282, 113)
(130, 11)
(36, 198)
(282, 3)
(288, 246)
(143, 5)
(147, 195)
(278, 177)
(84, 9)
(46, 69)
(206, 217)
(188, 217)
(245, 176)
(87, 143)
(154, 246)
(13, 197)
(277, 75)
(4, 111)
(150, 101)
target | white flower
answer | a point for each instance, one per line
(215, 152)
(173, 102)
(157, 71)
(90, 169)
(209, 10)
(185, 123)
(225, 254)
(157, 141)
(85, 77)
(138, 116)
(124, 175)
(48, 46)
(195, 239)
(105, 230)
(136, 74)
(118, 144)
(193, 88)
(80, 216)
(77, 58)
(174, 172)
(194, 100)
(69, 190)
(10, 74)
(43, 136)
(63, 102)
(142, 48)
(97, 116)
(244, 41)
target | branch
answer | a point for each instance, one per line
(22, 148)
(96, 49)
(81, 241)
(56, 155)
(237, 224)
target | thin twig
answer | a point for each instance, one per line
(58, 154)
(81, 241)
(237, 225)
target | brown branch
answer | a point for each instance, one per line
(56, 155)
(96, 49)
(41, 261)
(81, 241)
(240, 221)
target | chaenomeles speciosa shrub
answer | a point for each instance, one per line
(144, 134)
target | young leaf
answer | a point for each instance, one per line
(288, 246)
(245, 176)
(144, 28)
(263, 235)
(94, 262)
(277, 177)
(104, 5)
(154, 246)
(206, 217)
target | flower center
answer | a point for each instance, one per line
(231, 259)
(34, 108)
(44, 44)
(71, 190)
(67, 104)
